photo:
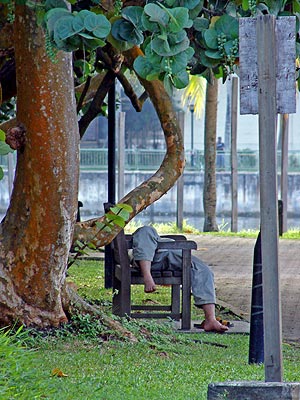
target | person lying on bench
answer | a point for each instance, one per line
(146, 255)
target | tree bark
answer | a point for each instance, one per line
(165, 177)
(210, 129)
(35, 235)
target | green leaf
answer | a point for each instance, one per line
(82, 14)
(63, 28)
(92, 43)
(211, 38)
(296, 6)
(173, 46)
(245, 5)
(215, 54)
(126, 207)
(156, 14)
(1, 173)
(196, 11)
(206, 61)
(191, 4)
(79, 244)
(2, 135)
(201, 24)
(118, 44)
(78, 23)
(227, 25)
(170, 3)
(129, 33)
(86, 35)
(179, 62)
(180, 19)
(189, 53)
(116, 219)
(98, 24)
(84, 66)
(52, 16)
(181, 80)
(70, 44)
(133, 14)
(275, 6)
(149, 26)
(297, 49)
(99, 225)
(142, 66)
(55, 4)
(5, 149)
(228, 46)
(124, 215)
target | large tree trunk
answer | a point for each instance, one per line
(37, 230)
(209, 189)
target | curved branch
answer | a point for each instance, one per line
(83, 93)
(93, 86)
(8, 124)
(96, 104)
(137, 102)
(164, 178)
(114, 63)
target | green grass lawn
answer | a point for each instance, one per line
(163, 364)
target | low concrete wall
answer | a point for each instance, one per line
(93, 192)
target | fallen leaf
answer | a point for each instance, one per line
(58, 372)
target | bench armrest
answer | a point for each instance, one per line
(178, 244)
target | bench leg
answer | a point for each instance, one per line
(175, 299)
(121, 299)
(186, 290)
(186, 310)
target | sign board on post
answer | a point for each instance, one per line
(267, 73)
(285, 35)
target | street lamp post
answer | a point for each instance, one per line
(192, 109)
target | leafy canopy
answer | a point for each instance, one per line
(177, 36)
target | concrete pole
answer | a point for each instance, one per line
(266, 58)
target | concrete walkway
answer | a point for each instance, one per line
(231, 260)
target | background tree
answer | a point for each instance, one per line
(209, 187)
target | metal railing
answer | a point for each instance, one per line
(141, 160)
(150, 160)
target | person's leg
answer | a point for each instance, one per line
(146, 272)
(210, 323)
(144, 247)
(203, 290)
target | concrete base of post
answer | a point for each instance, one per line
(254, 391)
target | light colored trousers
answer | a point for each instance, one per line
(145, 241)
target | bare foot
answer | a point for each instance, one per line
(214, 326)
(149, 284)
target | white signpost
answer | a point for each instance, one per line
(267, 87)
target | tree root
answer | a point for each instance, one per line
(73, 303)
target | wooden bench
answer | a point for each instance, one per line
(124, 275)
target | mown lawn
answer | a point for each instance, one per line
(86, 361)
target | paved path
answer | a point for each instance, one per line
(231, 259)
